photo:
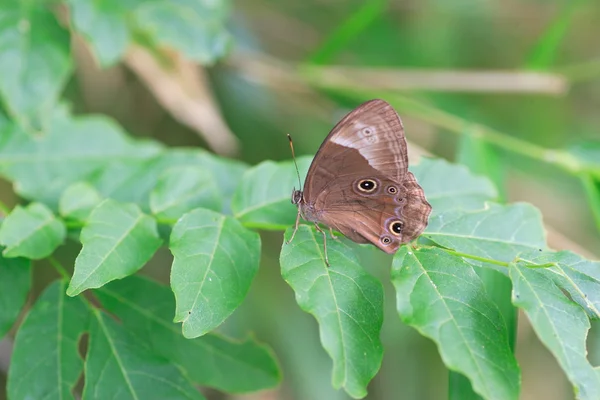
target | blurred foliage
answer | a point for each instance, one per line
(264, 66)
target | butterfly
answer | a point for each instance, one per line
(359, 184)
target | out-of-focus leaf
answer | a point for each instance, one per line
(262, 199)
(35, 63)
(591, 186)
(450, 186)
(343, 33)
(497, 232)
(50, 337)
(42, 167)
(215, 260)
(346, 301)
(31, 232)
(544, 52)
(146, 309)
(78, 201)
(117, 366)
(182, 189)
(118, 240)
(481, 158)
(133, 180)
(15, 282)
(103, 23)
(196, 28)
(560, 324)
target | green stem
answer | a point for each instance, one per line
(477, 258)
(74, 224)
(61, 270)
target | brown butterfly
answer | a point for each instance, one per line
(359, 184)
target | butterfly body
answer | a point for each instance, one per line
(359, 184)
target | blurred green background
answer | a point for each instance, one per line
(265, 89)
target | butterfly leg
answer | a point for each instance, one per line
(332, 235)
(324, 242)
(295, 228)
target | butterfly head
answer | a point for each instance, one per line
(296, 196)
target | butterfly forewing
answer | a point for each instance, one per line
(359, 184)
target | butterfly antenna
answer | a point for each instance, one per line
(295, 163)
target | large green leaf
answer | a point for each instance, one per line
(34, 62)
(132, 180)
(449, 186)
(45, 363)
(117, 241)
(15, 282)
(497, 232)
(31, 232)
(146, 309)
(346, 301)
(181, 189)
(43, 166)
(196, 28)
(561, 325)
(263, 198)
(215, 260)
(442, 297)
(103, 23)
(117, 367)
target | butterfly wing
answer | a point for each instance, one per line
(359, 182)
(374, 130)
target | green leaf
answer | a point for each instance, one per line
(103, 23)
(348, 30)
(45, 363)
(497, 232)
(571, 272)
(591, 186)
(15, 282)
(346, 301)
(263, 199)
(78, 201)
(133, 180)
(146, 309)
(73, 149)
(118, 367)
(182, 189)
(215, 260)
(34, 63)
(196, 28)
(544, 53)
(117, 241)
(31, 232)
(482, 158)
(450, 186)
(444, 299)
(560, 324)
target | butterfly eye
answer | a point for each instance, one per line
(392, 190)
(396, 227)
(367, 185)
(386, 240)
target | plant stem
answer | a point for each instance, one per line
(61, 270)
(477, 258)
